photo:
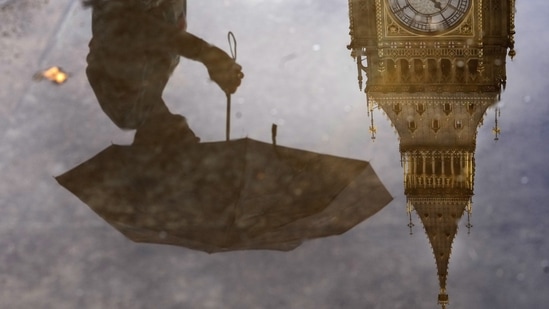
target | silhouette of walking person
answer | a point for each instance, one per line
(135, 48)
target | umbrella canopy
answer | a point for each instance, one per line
(221, 196)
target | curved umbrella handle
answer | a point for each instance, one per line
(232, 44)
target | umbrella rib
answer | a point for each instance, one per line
(341, 189)
(242, 183)
(346, 186)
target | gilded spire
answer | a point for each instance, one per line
(439, 187)
(440, 217)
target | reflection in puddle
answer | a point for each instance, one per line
(223, 196)
(167, 187)
(136, 46)
(434, 68)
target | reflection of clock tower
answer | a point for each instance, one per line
(434, 67)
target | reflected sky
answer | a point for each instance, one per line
(300, 76)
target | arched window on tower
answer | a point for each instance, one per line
(391, 70)
(446, 69)
(404, 70)
(435, 125)
(471, 108)
(460, 71)
(412, 126)
(419, 71)
(447, 108)
(472, 66)
(432, 70)
(397, 108)
(420, 108)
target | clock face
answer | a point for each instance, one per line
(429, 16)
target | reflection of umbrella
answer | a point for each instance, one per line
(241, 194)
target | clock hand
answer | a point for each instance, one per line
(445, 20)
(437, 4)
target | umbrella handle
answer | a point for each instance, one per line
(232, 44)
(232, 49)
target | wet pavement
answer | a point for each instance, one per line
(58, 253)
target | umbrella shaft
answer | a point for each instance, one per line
(228, 122)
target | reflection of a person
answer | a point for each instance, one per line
(135, 47)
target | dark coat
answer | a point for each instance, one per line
(130, 58)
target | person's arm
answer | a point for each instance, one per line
(119, 28)
(222, 69)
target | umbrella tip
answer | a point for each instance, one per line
(274, 128)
